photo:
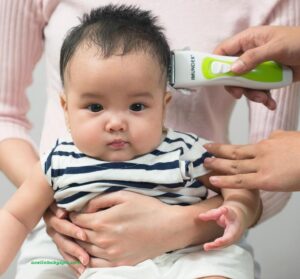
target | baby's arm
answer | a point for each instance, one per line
(241, 209)
(21, 213)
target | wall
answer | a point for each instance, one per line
(275, 242)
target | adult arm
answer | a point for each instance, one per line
(285, 117)
(20, 48)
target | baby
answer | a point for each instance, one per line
(114, 68)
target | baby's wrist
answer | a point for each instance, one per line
(241, 210)
(236, 204)
(248, 202)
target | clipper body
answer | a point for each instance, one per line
(191, 69)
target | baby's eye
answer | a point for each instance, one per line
(137, 107)
(95, 107)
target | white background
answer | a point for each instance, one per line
(276, 242)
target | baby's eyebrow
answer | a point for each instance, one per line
(142, 94)
(90, 95)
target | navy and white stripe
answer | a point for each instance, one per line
(169, 172)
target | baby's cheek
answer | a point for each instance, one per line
(148, 141)
(86, 140)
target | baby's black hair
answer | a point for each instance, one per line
(118, 29)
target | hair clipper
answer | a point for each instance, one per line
(190, 69)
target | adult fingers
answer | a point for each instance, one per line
(236, 92)
(251, 58)
(258, 96)
(261, 96)
(252, 47)
(238, 181)
(226, 166)
(84, 220)
(96, 250)
(63, 226)
(233, 45)
(76, 266)
(229, 151)
(108, 257)
(70, 247)
(296, 73)
(57, 211)
(103, 202)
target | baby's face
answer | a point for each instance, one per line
(114, 107)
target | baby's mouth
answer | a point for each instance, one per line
(118, 144)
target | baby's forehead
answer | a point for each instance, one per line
(89, 69)
(90, 48)
(92, 51)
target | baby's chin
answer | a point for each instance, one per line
(120, 155)
(117, 157)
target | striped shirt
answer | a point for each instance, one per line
(168, 173)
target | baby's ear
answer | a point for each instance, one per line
(64, 105)
(167, 97)
(63, 100)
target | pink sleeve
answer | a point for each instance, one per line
(263, 121)
(21, 46)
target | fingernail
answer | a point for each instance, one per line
(80, 269)
(238, 66)
(258, 99)
(207, 145)
(214, 179)
(80, 235)
(271, 105)
(72, 216)
(236, 92)
(208, 160)
(82, 260)
(60, 213)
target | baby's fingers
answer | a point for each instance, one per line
(214, 245)
(213, 214)
(219, 243)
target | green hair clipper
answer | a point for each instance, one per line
(190, 69)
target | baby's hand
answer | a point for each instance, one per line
(232, 218)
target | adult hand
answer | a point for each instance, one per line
(272, 164)
(125, 228)
(259, 44)
(63, 233)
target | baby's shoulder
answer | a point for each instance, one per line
(188, 139)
